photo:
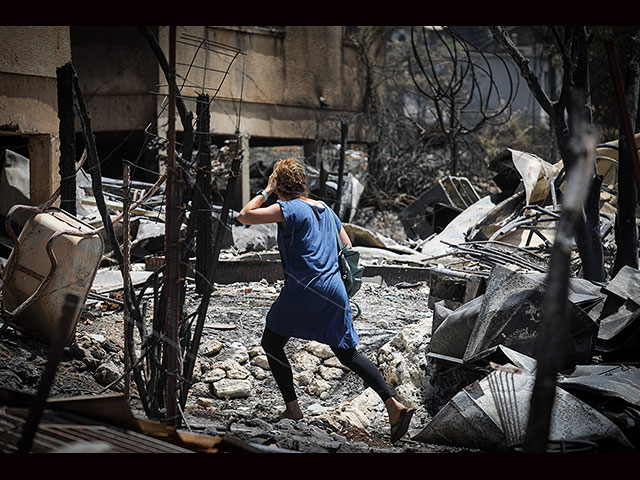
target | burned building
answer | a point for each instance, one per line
(266, 85)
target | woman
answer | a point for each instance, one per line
(313, 304)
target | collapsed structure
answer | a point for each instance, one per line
(486, 270)
(485, 259)
(488, 306)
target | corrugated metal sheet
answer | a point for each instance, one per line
(56, 431)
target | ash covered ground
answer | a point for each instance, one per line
(341, 414)
(236, 320)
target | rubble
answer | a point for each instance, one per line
(441, 316)
(437, 206)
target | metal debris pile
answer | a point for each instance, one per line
(488, 293)
(469, 360)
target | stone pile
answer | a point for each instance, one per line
(233, 392)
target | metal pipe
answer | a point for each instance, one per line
(126, 252)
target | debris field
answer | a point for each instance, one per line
(450, 315)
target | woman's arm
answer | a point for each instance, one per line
(346, 241)
(253, 214)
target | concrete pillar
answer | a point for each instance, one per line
(44, 178)
(243, 191)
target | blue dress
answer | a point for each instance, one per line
(313, 303)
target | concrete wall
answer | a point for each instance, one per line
(280, 76)
(117, 73)
(29, 56)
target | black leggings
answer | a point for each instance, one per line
(273, 345)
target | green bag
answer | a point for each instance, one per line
(348, 261)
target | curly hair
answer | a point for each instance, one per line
(291, 179)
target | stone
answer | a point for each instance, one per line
(258, 373)
(255, 351)
(305, 361)
(320, 350)
(106, 374)
(318, 387)
(261, 361)
(361, 410)
(330, 373)
(210, 348)
(240, 356)
(303, 378)
(200, 389)
(402, 361)
(230, 388)
(214, 375)
(238, 373)
(354, 417)
(228, 364)
(205, 402)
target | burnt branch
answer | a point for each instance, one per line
(460, 81)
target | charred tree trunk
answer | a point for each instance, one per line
(574, 47)
(626, 231)
(67, 139)
(202, 197)
(588, 238)
(551, 346)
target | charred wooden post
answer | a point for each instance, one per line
(201, 199)
(67, 164)
(551, 346)
(160, 323)
(172, 247)
(588, 235)
(192, 352)
(628, 166)
(126, 252)
(96, 183)
(344, 132)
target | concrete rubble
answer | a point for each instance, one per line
(443, 315)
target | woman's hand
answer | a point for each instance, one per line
(253, 213)
(271, 185)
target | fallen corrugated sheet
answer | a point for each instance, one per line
(612, 381)
(101, 424)
(57, 431)
(471, 419)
